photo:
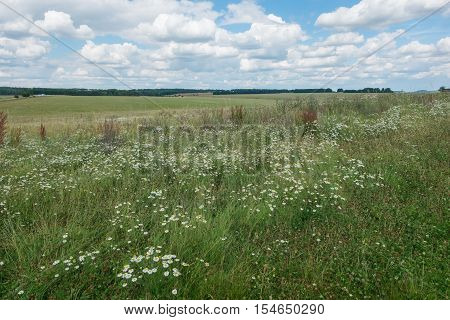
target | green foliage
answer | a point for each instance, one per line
(356, 211)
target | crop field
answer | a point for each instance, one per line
(246, 197)
(68, 110)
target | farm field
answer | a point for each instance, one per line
(243, 197)
(70, 109)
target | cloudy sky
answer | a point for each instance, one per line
(225, 43)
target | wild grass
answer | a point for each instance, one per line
(15, 136)
(3, 118)
(222, 206)
(42, 132)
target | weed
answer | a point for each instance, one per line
(3, 119)
(42, 132)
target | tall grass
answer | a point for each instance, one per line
(15, 136)
(237, 115)
(3, 118)
(243, 209)
(42, 132)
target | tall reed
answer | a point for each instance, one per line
(3, 118)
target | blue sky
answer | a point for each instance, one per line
(225, 44)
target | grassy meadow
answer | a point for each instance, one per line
(70, 111)
(246, 197)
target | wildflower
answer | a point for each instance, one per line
(176, 272)
(20, 292)
(174, 291)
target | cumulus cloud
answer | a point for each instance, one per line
(269, 35)
(248, 11)
(27, 48)
(114, 54)
(176, 27)
(111, 16)
(189, 44)
(60, 23)
(444, 44)
(252, 65)
(176, 50)
(417, 48)
(339, 39)
(377, 13)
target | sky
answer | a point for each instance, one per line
(225, 44)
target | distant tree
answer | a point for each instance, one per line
(442, 89)
(340, 90)
(16, 96)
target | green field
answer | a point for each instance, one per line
(288, 197)
(63, 108)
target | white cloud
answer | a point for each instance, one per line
(268, 35)
(114, 54)
(417, 48)
(185, 43)
(377, 13)
(175, 27)
(61, 24)
(26, 48)
(15, 27)
(444, 44)
(176, 50)
(111, 16)
(382, 39)
(247, 11)
(339, 39)
(250, 65)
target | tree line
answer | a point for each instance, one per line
(26, 92)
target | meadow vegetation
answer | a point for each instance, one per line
(301, 197)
